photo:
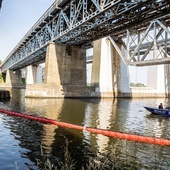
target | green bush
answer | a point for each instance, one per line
(137, 85)
(1, 78)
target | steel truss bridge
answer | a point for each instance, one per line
(0, 3)
(140, 26)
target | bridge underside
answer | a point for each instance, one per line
(80, 22)
(65, 74)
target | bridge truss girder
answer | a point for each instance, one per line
(149, 47)
(80, 22)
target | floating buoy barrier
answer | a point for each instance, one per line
(120, 135)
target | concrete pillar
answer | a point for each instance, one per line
(108, 70)
(51, 73)
(63, 68)
(124, 76)
(96, 63)
(159, 78)
(102, 67)
(71, 64)
(39, 75)
(13, 78)
(31, 74)
(78, 66)
(64, 74)
(106, 67)
(167, 79)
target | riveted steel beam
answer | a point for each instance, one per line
(80, 22)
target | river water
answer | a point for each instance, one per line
(26, 144)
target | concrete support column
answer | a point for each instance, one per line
(121, 74)
(108, 70)
(95, 76)
(64, 74)
(167, 79)
(13, 78)
(39, 75)
(158, 78)
(31, 74)
(78, 66)
(63, 68)
(102, 67)
(51, 73)
(124, 76)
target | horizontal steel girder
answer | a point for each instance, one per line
(80, 22)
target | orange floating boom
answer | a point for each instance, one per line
(125, 136)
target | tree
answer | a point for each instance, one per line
(137, 85)
(1, 77)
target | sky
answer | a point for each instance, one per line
(16, 19)
(18, 16)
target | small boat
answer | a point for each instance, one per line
(163, 112)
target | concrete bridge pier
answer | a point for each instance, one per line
(110, 75)
(33, 74)
(64, 75)
(13, 79)
(39, 77)
(158, 80)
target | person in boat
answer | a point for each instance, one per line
(160, 106)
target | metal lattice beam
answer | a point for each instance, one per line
(80, 22)
(149, 47)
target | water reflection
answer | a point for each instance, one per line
(99, 116)
(49, 108)
(123, 115)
